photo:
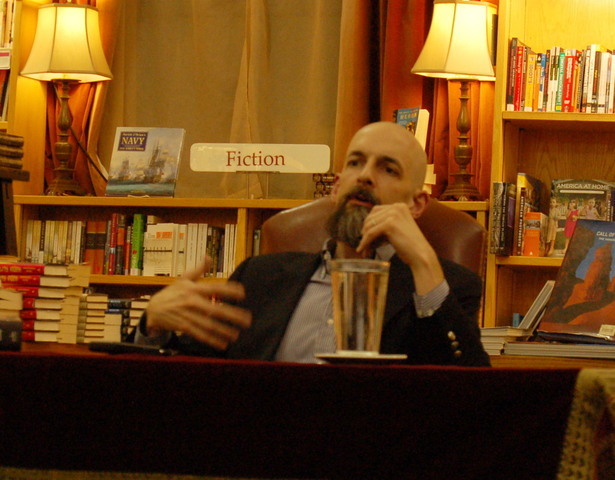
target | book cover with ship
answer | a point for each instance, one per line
(145, 161)
(582, 304)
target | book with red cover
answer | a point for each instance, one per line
(46, 292)
(9, 279)
(33, 269)
(95, 238)
(111, 245)
(49, 303)
(33, 314)
(38, 336)
(40, 325)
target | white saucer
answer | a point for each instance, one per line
(349, 357)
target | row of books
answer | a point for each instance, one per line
(131, 245)
(523, 224)
(560, 79)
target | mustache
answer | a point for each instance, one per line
(362, 194)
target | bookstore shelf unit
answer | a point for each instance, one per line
(247, 214)
(543, 144)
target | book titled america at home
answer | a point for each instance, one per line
(145, 161)
(582, 305)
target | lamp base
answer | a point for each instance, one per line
(63, 183)
(461, 190)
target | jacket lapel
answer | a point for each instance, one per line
(289, 279)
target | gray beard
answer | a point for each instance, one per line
(346, 223)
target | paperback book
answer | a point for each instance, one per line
(582, 305)
(416, 120)
(145, 161)
(528, 199)
(571, 200)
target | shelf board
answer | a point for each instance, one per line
(172, 202)
(140, 280)
(561, 120)
(168, 202)
(521, 261)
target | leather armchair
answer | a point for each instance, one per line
(454, 235)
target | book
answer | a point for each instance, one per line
(535, 234)
(530, 82)
(136, 244)
(534, 314)
(9, 279)
(39, 336)
(145, 161)
(528, 199)
(550, 349)
(94, 248)
(582, 304)
(49, 303)
(118, 268)
(39, 269)
(159, 249)
(416, 121)
(41, 325)
(502, 225)
(572, 199)
(46, 292)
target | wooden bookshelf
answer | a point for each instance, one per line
(247, 214)
(543, 144)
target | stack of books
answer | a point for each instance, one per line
(94, 328)
(137, 308)
(496, 339)
(50, 298)
(11, 151)
(557, 349)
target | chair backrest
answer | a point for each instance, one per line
(454, 235)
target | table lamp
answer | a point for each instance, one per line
(67, 50)
(457, 48)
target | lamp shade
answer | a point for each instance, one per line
(457, 46)
(67, 45)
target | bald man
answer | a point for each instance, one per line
(278, 306)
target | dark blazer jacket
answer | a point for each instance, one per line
(274, 284)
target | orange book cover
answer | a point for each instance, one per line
(534, 234)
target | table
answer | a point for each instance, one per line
(74, 410)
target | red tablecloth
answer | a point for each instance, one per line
(253, 419)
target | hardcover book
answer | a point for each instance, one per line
(582, 304)
(502, 224)
(145, 161)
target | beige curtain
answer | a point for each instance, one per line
(234, 71)
(279, 71)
